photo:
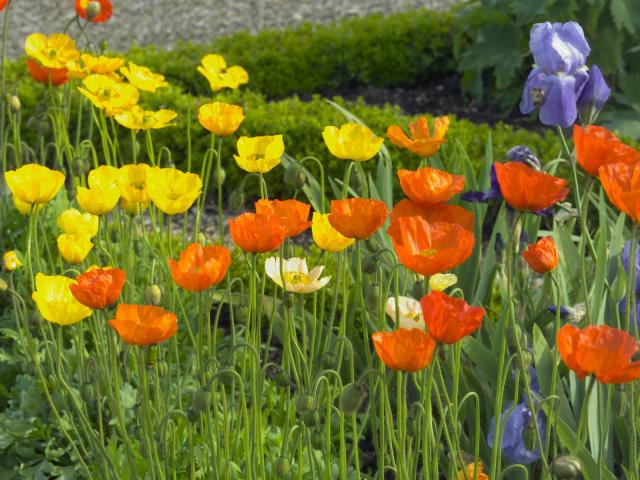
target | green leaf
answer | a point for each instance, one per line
(622, 17)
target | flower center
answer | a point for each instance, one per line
(296, 278)
(429, 252)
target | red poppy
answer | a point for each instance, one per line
(200, 267)
(421, 143)
(404, 350)
(621, 181)
(293, 214)
(599, 350)
(525, 188)
(358, 217)
(432, 214)
(430, 248)
(99, 288)
(3, 3)
(104, 14)
(450, 319)
(257, 233)
(55, 76)
(596, 146)
(542, 256)
(144, 325)
(430, 186)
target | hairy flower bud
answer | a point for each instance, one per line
(152, 355)
(281, 377)
(566, 467)
(201, 400)
(353, 398)
(88, 392)
(295, 176)
(311, 419)
(305, 404)
(328, 360)
(219, 178)
(317, 439)
(237, 200)
(14, 104)
(370, 264)
(153, 294)
(93, 10)
(281, 467)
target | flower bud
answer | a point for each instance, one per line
(281, 377)
(514, 334)
(88, 392)
(288, 300)
(226, 376)
(317, 439)
(222, 176)
(353, 398)
(3, 285)
(566, 467)
(14, 104)
(529, 434)
(281, 467)
(93, 10)
(35, 318)
(153, 294)
(370, 264)
(311, 419)
(329, 360)
(201, 400)
(237, 200)
(295, 176)
(304, 404)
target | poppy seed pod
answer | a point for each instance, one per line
(566, 467)
(153, 294)
(305, 404)
(353, 398)
(295, 176)
(14, 104)
(237, 200)
(93, 10)
(281, 467)
(201, 400)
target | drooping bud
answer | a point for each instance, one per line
(353, 398)
(529, 433)
(295, 176)
(93, 10)
(328, 360)
(201, 400)
(311, 419)
(237, 200)
(317, 439)
(281, 467)
(370, 264)
(14, 103)
(566, 467)
(88, 392)
(226, 376)
(153, 294)
(281, 377)
(304, 404)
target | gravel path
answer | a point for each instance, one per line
(163, 22)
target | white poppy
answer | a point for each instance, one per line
(410, 312)
(297, 277)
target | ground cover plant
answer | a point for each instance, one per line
(443, 317)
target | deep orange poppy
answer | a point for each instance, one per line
(525, 188)
(596, 146)
(144, 325)
(599, 350)
(57, 76)
(421, 143)
(200, 267)
(450, 319)
(3, 3)
(542, 256)
(257, 233)
(429, 248)
(430, 186)
(106, 9)
(403, 349)
(358, 217)
(621, 181)
(293, 214)
(98, 288)
(432, 214)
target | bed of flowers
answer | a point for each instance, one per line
(462, 326)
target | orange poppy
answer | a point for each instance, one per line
(450, 319)
(621, 181)
(98, 288)
(200, 267)
(293, 214)
(596, 146)
(57, 76)
(257, 233)
(421, 143)
(3, 3)
(430, 186)
(542, 256)
(599, 350)
(358, 217)
(104, 13)
(432, 214)
(403, 349)
(144, 325)
(430, 248)
(525, 188)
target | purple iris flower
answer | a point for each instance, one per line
(516, 423)
(594, 94)
(565, 312)
(559, 75)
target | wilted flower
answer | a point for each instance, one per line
(108, 94)
(74, 248)
(72, 222)
(542, 256)
(34, 184)
(358, 217)
(596, 146)
(257, 233)
(404, 350)
(55, 302)
(293, 214)
(294, 274)
(10, 261)
(132, 182)
(516, 423)
(143, 78)
(98, 287)
(144, 325)
(430, 186)
(215, 70)
(409, 312)
(200, 267)
(103, 192)
(450, 319)
(259, 154)
(137, 118)
(86, 9)
(221, 119)
(171, 190)
(352, 141)
(422, 142)
(327, 237)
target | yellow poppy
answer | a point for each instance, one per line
(34, 184)
(442, 281)
(11, 261)
(132, 181)
(55, 301)
(72, 222)
(74, 247)
(91, 64)
(221, 119)
(108, 94)
(143, 78)
(103, 192)
(24, 208)
(51, 52)
(137, 118)
(215, 70)
(259, 154)
(171, 190)
(327, 237)
(352, 142)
